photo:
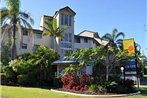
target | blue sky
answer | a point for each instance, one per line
(128, 16)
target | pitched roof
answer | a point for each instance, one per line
(68, 8)
(95, 33)
(65, 8)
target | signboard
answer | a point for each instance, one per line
(131, 64)
(128, 45)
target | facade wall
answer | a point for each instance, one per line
(62, 46)
(82, 44)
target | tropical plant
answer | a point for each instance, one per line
(108, 57)
(5, 54)
(32, 69)
(12, 16)
(42, 59)
(113, 38)
(53, 31)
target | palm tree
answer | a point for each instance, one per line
(113, 38)
(53, 31)
(15, 19)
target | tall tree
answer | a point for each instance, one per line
(52, 30)
(113, 38)
(15, 19)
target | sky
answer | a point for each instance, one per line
(102, 16)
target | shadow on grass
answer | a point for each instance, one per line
(143, 91)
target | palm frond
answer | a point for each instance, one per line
(120, 34)
(138, 47)
(27, 26)
(54, 23)
(13, 6)
(119, 41)
(26, 16)
(114, 31)
(4, 15)
(107, 37)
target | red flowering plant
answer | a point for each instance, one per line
(86, 79)
(69, 80)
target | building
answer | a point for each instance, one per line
(88, 39)
(65, 17)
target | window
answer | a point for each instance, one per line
(38, 35)
(85, 40)
(66, 19)
(70, 38)
(24, 46)
(67, 37)
(77, 40)
(65, 45)
(25, 32)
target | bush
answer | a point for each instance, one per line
(93, 88)
(9, 76)
(27, 80)
(69, 80)
(80, 88)
(4, 79)
(85, 79)
(97, 88)
(22, 79)
(57, 82)
(121, 87)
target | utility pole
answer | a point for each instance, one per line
(145, 28)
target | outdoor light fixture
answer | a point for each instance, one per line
(122, 70)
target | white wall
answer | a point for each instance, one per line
(82, 44)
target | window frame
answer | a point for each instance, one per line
(24, 46)
(66, 19)
(78, 40)
(85, 40)
(25, 33)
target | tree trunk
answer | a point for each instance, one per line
(52, 42)
(13, 51)
(107, 74)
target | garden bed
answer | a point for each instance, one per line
(90, 93)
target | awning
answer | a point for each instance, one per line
(63, 62)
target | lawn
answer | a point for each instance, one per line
(27, 92)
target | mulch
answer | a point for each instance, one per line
(84, 92)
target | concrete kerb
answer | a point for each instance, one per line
(115, 95)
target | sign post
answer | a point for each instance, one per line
(129, 45)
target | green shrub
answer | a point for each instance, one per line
(4, 79)
(10, 75)
(101, 89)
(97, 88)
(93, 88)
(57, 82)
(121, 87)
(129, 83)
(27, 80)
(22, 79)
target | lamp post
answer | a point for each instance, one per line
(122, 72)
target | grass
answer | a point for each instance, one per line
(28, 92)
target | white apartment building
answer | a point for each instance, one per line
(88, 39)
(65, 17)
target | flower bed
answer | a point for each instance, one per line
(87, 85)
